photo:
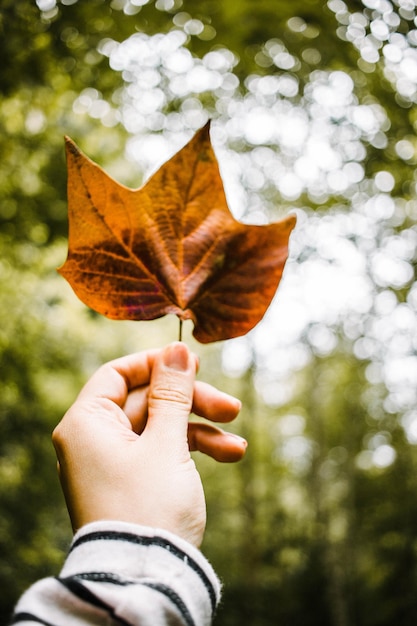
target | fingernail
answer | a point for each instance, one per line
(240, 439)
(237, 402)
(233, 400)
(177, 356)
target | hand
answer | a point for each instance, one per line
(124, 446)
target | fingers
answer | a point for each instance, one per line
(115, 379)
(221, 446)
(136, 408)
(172, 394)
(208, 402)
(170, 397)
(213, 404)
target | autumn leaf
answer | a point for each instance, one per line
(171, 246)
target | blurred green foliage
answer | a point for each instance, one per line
(318, 525)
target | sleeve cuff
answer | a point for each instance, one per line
(138, 553)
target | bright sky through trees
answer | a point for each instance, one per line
(313, 108)
(310, 145)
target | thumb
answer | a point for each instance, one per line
(171, 395)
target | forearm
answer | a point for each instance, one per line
(131, 574)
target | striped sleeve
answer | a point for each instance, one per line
(122, 574)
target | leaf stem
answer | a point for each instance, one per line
(180, 331)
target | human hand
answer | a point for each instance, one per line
(123, 448)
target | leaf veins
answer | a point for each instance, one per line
(171, 246)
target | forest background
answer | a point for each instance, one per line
(313, 109)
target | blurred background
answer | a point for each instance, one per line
(313, 109)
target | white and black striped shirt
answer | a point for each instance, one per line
(122, 574)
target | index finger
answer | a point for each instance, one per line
(115, 379)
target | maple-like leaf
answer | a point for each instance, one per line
(171, 246)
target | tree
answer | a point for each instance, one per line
(313, 108)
